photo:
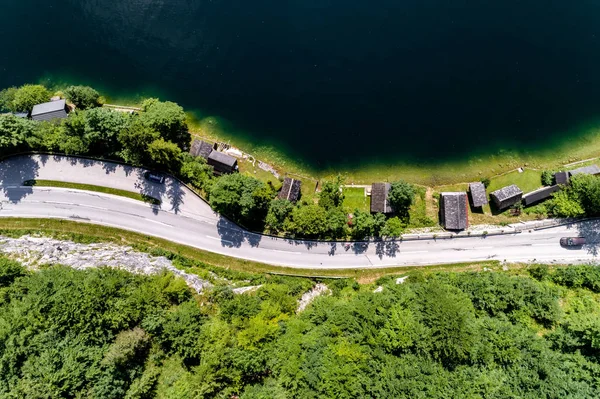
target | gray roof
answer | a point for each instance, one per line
(561, 177)
(506, 192)
(453, 210)
(379, 198)
(201, 148)
(588, 170)
(49, 110)
(222, 158)
(478, 195)
(290, 189)
(540, 195)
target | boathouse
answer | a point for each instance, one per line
(222, 163)
(478, 195)
(540, 195)
(454, 214)
(506, 196)
(202, 148)
(290, 190)
(586, 170)
(561, 178)
(49, 111)
(379, 198)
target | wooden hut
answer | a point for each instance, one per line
(290, 190)
(561, 178)
(540, 195)
(586, 170)
(222, 163)
(454, 214)
(202, 148)
(50, 111)
(379, 198)
(506, 196)
(478, 194)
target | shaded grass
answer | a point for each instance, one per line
(90, 233)
(90, 187)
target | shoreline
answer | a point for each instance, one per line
(576, 148)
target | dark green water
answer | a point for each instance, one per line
(332, 82)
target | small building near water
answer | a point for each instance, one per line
(222, 163)
(540, 195)
(506, 196)
(561, 178)
(202, 148)
(478, 194)
(290, 190)
(379, 198)
(454, 214)
(50, 111)
(586, 170)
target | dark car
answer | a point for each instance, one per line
(572, 241)
(154, 177)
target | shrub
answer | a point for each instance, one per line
(547, 178)
(83, 97)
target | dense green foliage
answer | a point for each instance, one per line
(23, 99)
(580, 198)
(83, 97)
(109, 334)
(401, 196)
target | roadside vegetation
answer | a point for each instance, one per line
(91, 187)
(528, 333)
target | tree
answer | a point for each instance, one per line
(308, 221)
(7, 99)
(243, 198)
(401, 197)
(337, 222)
(331, 195)
(165, 154)
(279, 210)
(13, 132)
(73, 132)
(134, 140)
(29, 95)
(83, 97)
(102, 129)
(168, 119)
(587, 190)
(547, 178)
(564, 205)
(363, 225)
(378, 223)
(9, 271)
(393, 228)
(196, 172)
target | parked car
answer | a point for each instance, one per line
(154, 177)
(572, 241)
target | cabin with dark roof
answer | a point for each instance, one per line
(478, 194)
(290, 190)
(586, 170)
(506, 196)
(561, 178)
(50, 111)
(379, 198)
(222, 163)
(202, 148)
(454, 213)
(539, 195)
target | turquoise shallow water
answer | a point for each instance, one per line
(332, 82)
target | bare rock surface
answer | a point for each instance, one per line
(35, 251)
(311, 295)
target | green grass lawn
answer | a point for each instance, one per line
(90, 187)
(527, 181)
(355, 198)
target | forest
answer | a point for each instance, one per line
(105, 333)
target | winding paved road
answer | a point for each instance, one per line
(187, 219)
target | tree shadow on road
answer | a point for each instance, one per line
(386, 248)
(150, 189)
(14, 173)
(590, 230)
(231, 235)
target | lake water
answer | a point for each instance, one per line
(331, 82)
